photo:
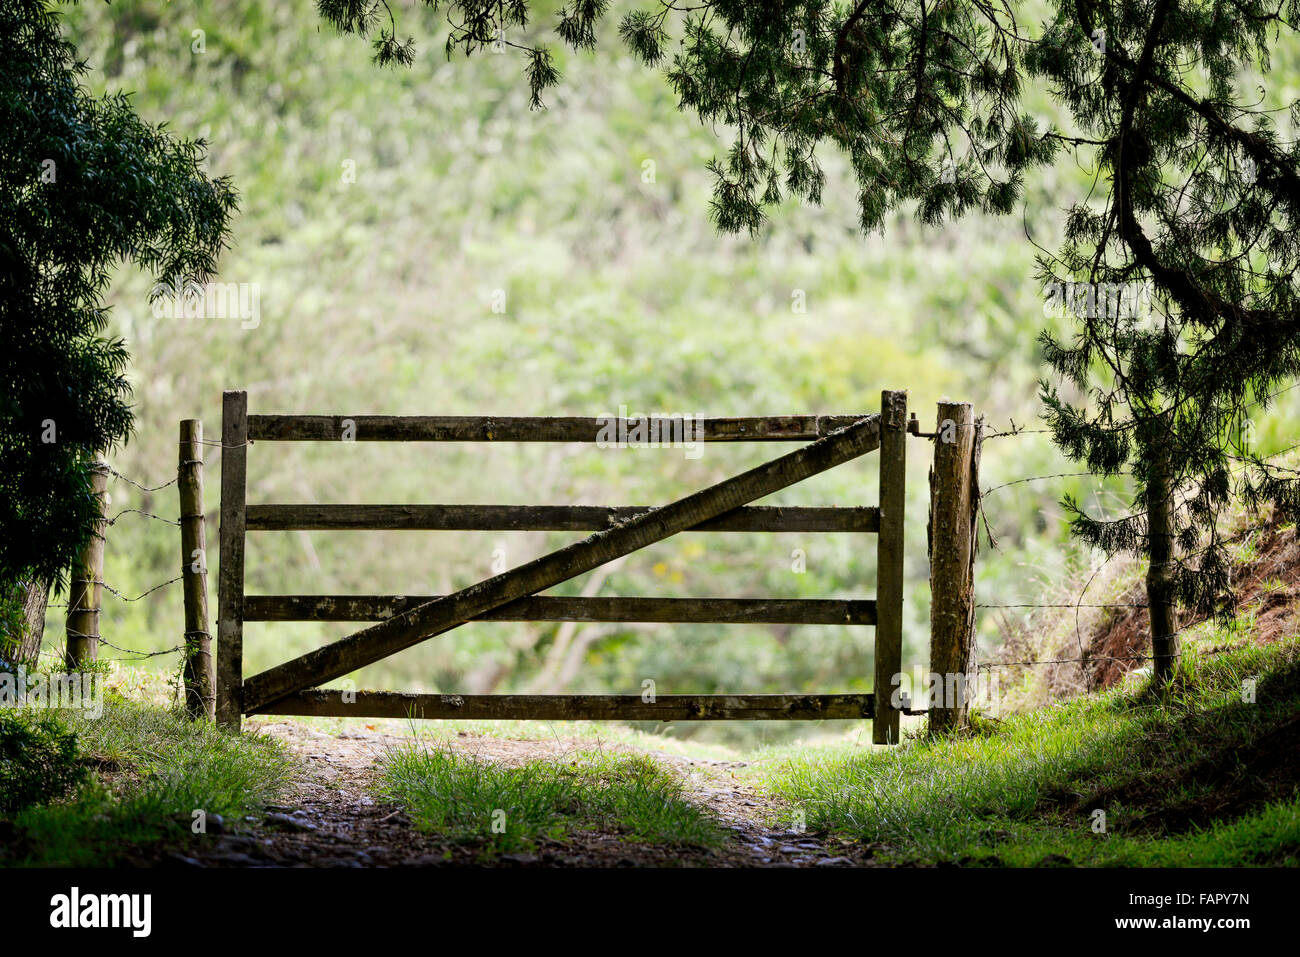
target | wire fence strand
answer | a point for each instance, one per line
(113, 521)
(144, 488)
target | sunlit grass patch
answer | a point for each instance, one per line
(510, 808)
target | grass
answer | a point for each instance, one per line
(154, 769)
(511, 808)
(1193, 776)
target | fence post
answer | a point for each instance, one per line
(230, 584)
(889, 564)
(954, 502)
(200, 678)
(85, 590)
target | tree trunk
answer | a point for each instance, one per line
(1160, 516)
(35, 598)
(85, 585)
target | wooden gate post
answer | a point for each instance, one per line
(86, 589)
(889, 565)
(954, 503)
(230, 587)
(200, 677)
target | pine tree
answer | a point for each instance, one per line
(1179, 268)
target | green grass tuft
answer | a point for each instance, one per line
(156, 768)
(511, 808)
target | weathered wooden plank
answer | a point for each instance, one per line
(230, 584)
(765, 611)
(954, 506)
(413, 626)
(537, 518)
(200, 679)
(889, 564)
(473, 428)
(685, 707)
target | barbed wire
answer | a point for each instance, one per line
(143, 488)
(1088, 658)
(1259, 460)
(1071, 604)
(1063, 661)
(1273, 395)
(993, 432)
(171, 581)
(1039, 478)
(111, 590)
(113, 521)
(136, 654)
(1249, 460)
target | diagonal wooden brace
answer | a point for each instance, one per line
(443, 614)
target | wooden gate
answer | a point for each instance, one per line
(293, 688)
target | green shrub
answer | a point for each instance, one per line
(39, 761)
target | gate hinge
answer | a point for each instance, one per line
(906, 707)
(914, 428)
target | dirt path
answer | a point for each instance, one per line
(332, 818)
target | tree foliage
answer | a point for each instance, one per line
(1184, 254)
(1201, 201)
(84, 185)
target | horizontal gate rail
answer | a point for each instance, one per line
(547, 518)
(436, 617)
(472, 428)
(765, 611)
(677, 707)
